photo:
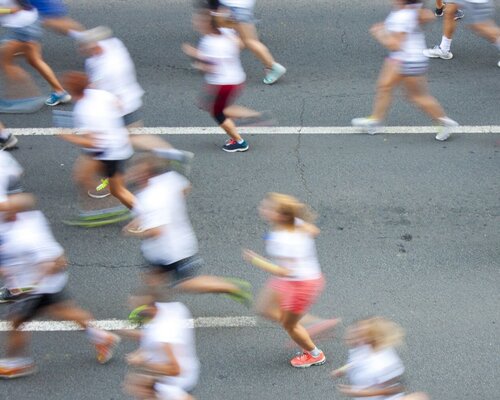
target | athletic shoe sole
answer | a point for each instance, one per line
(97, 223)
(317, 363)
(240, 150)
(27, 372)
(429, 55)
(98, 195)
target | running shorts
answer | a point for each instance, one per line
(414, 68)
(169, 392)
(28, 305)
(30, 33)
(215, 98)
(297, 296)
(181, 270)
(476, 13)
(242, 15)
(50, 8)
(113, 167)
(133, 117)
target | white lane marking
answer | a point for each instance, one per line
(116, 324)
(276, 130)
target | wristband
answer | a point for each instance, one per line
(5, 11)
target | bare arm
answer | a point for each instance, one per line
(370, 392)
(170, 368)
(85, 140)
(390, 40)
(264, 264)
(142, 234)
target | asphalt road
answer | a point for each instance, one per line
(410, 226)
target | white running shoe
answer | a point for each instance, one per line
(446, 129)
(369, 125)
(437, 52)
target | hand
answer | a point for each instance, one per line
(337, 373)
(249, 255)
(378, 30)
(348, 390)
(135, 359)
(188, 49)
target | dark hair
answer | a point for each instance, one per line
(413, 1)
(75, 82)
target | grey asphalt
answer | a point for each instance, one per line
(410, 226)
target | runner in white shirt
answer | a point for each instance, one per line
(479, 17)
(169, 243)
(218, 57)
(97, 118)
(165, 367)
(402, 35)
(374, 368)
(297, 279)
(31, 257)
(23, 37)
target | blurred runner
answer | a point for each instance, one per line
(297, 279)
(7, 139)
(104, 139)
(402, 35)
(54, 16)
(373, 368)
(31, 257)
(218, 57)
(479, 18)
(23, 37)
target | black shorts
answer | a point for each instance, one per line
(133, 117)
(112, 167)
(181, 270)
(28, 306)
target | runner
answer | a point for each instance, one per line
(165, 366)
(23, 37)
(242, 16)
(479, 18)
(440, 5)
(32, 258)
(374, 368)
(169, 243)
(218, 57)
(7, 139)
(106, 147)
(54, 16)
(297, 279)
(402, 35)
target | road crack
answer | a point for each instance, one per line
(300, 163)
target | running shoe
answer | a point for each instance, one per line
(232, 146)
(57, 98)
(21, 106)
(7, 296)
(436, 52)
(100, 191)
(446, 129)
(100, 218)
(11, 368)
(275, 73)
(438, 12)
(369, 125)
(104, 351)
(138, 315)
(265, 118)
(244, 293)
(8, 143)
(459, 15)
(306, 360)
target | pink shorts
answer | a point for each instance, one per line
(297, 296)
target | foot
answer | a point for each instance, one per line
(306, 360)
(101, 191)
(243, 294)
(138, 315)
(16, 367)
(446, 129)
(93, 219)
(104, 351)
(21, 106)
(459, 15)
(232, 146)
(436, 52)
(7, 296)
(275, 73)
(369, 125)
(265, 118)
(438, 12)
(57, 98)
(8, 143)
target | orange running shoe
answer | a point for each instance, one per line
(9, 369)
(105, 350)
(306, 360)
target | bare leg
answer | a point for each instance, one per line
(68, 311)
(235, 111)
(449, 23)
(488, 30)
(117, 189)
(418, 93)
(230, 128)
(388, 78)
(19, 83)
(248, 34)
(207, 284)
(16, 341)
(290, 322)
(267, 305)
(439, 4)
(33, 54)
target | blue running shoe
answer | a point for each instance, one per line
(232, 146)
(57, 98)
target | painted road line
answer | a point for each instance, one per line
(116, 324)
(276, 130)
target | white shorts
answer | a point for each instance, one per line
(169, 392)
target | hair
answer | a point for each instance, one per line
(290, 208)
(75, 82)
(382, 332)
(413, 1)
(155, 165)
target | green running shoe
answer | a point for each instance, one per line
(244, 294)
(138, 317)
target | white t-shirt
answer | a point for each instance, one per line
(162, 204)
(19, 19)
(296, 251)
(25, 244)
(98, 112)
(114, 71)
(10, 171)
(223, 53)
(406, 20)
(171, 325)
(238, 3)
(370, 368)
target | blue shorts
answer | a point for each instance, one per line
(242, 15)
(30, 33)
(50, 8)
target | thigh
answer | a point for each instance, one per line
(269, 297)
(390, 74)
(114, 170)
(415, 85)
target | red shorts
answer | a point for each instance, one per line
(215, 98)
(297, 296)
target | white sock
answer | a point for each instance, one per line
(445, 44)
(4, 135)
(241, 141)
(448, 121)
(96, 336)
(315, 352)
(75, 34)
